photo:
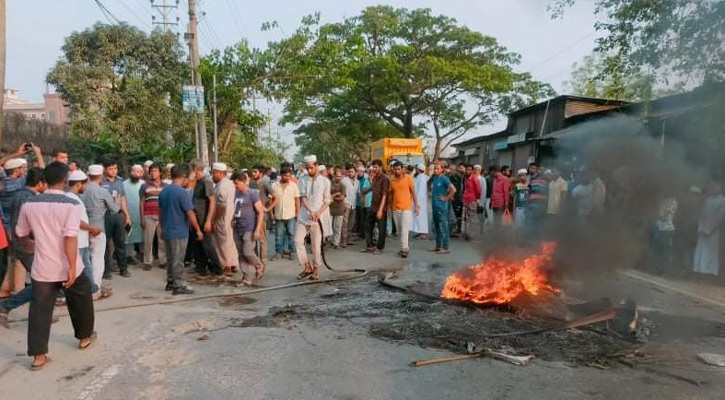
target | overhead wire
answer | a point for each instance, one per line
(107, 13)
(562, 50)
(234, 16)
(130, 10)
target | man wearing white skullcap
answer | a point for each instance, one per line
(132, 187)
(167, 174)
(315, 199)
(223, 232)
(420, 222)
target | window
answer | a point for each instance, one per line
(51, 116)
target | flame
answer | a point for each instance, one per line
(499, 282)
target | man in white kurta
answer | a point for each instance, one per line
(420, 223)
(707, 251)
(315, 199)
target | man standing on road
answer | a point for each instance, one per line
(98, 203)
(315, 201)
(248, 215)
(261, 182)
(286, 205)
(338, 208)
(420, 222)
(206, 259)
(403, 203)
(54, 220)
(363, 201)
(471, 197)
(378, 206)
(500, 195)
(149, 208)
(117, 224)
(442, 194)
(34, 185)
(177, 215)
(77, 184)
(456, 175)
(558, 189)
(223, 233)
(478, 172)
(132, 188)
(351, 194)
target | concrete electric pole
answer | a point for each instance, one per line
(165, 11)
(193, 40)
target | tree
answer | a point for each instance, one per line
(239, 72)
(678, 40)
(408, 68)
(124, 91)
(590, 78)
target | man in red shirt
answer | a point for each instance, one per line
(471, 195)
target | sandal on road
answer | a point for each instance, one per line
(443, 251)
(38, 365)
(91, 340)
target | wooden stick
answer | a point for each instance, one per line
(423, 363)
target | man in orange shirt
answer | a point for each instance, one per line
(402, 202)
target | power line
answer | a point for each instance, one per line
(130, 10)
(107, 13)
(563, 50)
(233, 10)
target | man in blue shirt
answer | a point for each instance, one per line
(177, 214)
(248, 226)
(117, 224)
(443, 192)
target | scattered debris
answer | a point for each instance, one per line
(516, 360)
(717, 360)
(203, 337)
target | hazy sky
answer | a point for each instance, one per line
(36, 29)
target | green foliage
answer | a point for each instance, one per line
(408, 68)
(124, 90)
(244, 152)
(590, 78)
(673, 40)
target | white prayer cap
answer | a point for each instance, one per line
(15, 163)
(137, 166)
(421, 167)
(273, 169)
(169, 166)
(477, 167)
(321, 168)
(312, 159)
(95, 170)
(148, 163)
(217, 166)
(77, 176)
(522, 171)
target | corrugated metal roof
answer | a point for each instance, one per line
(482, 138)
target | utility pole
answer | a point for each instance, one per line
(216, 138)
(165, 10)
(193, 39)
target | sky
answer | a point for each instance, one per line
(36, 30)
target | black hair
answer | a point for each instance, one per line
(259, 167)
(55, 152)
(378, 163)
(109, 163)
(157, 167)
(505, 168)
(397, 164)
(285, 170)
(349, 166)
(493, 168)
(55, 173)
(240, 176)
(533, 164)
(179, 171)
(34, 176)
(78, 164)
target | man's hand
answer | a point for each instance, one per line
(313, 216)
(143, 223)
(71, 277)
(379, 215)
(442, 198)
(199, 235)
(21, 149)
(207, 227)
(417, 210)
(94, 231)
(257, 234)
(126, 220)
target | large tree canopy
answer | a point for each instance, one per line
(679, 40)
(409, 68)
(124, 90)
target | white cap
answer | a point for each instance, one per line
(273, 169)
(217, 166)
(148, 163)
(95, 170)
(321, 168)
(77, 176)
(522, 171)
(15, 163)
(311, 159)
(477, 167)
(137, 166)
(169, 166)
(421, 167)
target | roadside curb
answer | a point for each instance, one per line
(672, 287)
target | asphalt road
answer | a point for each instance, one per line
(200, 349)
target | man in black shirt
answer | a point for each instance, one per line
(204, 252)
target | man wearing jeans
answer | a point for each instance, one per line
(351, 189)
(248, 225)
(149, 194)
(402, 203)
(177, 214)
(377, 216)
(34, 185)
(442, 194)
(98, 203)
(54, 221)
(116, 223)
(77, 184)
(286, 204)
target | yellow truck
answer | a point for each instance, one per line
(407, 151)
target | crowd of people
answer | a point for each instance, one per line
(70, 229)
